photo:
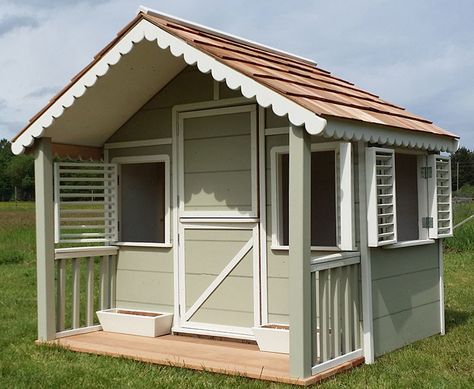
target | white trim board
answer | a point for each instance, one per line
(343, 183)
(251, 110)
(138, 143)
(160, 158)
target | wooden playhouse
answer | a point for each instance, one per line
(235, 186)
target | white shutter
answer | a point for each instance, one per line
(344, 190)
(440, 196)
(85, 197)
(381, 199)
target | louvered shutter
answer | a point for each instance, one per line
(344, 190)
(85, 202)
(381, 196)
(440, 202)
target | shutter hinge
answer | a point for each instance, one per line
(427, 222)
(426, 172)
(178, 239)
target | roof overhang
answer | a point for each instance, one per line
(92, 107)
(142, 60)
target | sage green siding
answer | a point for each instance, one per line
(154, 119)
(145, 275)
(405, 295)
(217, 163)
(145, 278)
(277, 260)
(207, 252)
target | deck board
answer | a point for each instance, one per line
(219, 356)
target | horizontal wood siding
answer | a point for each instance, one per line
(207, 252)
(217, 163)
(405, 295)
(145, 278)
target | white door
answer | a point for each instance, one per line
(219, 283)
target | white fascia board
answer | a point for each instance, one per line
(297, 115)
(388, 136)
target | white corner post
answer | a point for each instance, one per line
(300, 253)
(442, 323)
(45, 239)
(365, 264)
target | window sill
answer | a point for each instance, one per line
(409, 243)
(139, 244)
(313, 248)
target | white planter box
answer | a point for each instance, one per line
(135, 322)
(273, 338)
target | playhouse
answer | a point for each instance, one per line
(235, 186)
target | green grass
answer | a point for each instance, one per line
(434, 362)
(463, 239)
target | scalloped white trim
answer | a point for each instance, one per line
(389, 136)
(265, 97)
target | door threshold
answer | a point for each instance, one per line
(213, 334)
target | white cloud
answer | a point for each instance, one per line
(416, 54)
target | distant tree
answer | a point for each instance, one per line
(6, 155)
(20, 171)
(465, 158)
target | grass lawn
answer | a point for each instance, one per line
(446, 361)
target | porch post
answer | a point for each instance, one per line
(45, 239)
(300, 252)
(365, 262)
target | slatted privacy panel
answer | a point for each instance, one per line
(85, 202)
(85, 283)
(336, 312)
(381, 207)
(440, 194)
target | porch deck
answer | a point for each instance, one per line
(219, 356)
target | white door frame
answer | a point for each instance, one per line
(242, 221)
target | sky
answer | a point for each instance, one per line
(417, 54)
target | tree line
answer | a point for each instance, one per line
(17, 174)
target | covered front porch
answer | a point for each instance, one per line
(213, 355)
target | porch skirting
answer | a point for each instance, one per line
(218, 356)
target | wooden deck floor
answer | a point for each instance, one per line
(218, 356)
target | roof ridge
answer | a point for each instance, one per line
(152, 12)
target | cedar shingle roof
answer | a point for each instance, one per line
(298, 80)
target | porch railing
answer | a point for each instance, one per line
(85, 281)
(335, 302)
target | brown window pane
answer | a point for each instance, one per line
(323, 199)
(406, 188)
(142, 202)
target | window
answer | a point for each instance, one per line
(144, 200)
(409, 197)
(406, 180)
(330, 177)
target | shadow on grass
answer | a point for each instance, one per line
(455, 318)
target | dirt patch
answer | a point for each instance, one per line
(276, 326)
(138, 313)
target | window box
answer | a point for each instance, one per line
(273, 338)
(135, 322)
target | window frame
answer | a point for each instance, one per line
(158, 158)
(424, 186)
(275, 188)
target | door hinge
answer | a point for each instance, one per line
(426, 172)
(427, 222)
